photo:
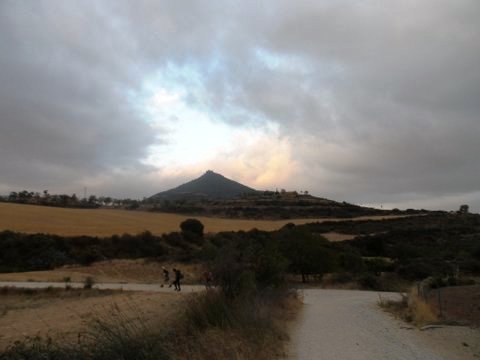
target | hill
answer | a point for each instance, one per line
(209, 185)
(213, 195)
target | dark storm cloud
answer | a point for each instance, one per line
(64, 113)
(393, 85)
(379, 99)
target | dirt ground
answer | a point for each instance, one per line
(66, 314)
(457, 303)
(112, 271)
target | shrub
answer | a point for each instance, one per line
(351, 262)
(369, 281)
(172, 239)
(341, 278)
(378, 265)
(208, 252)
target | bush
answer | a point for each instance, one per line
(369, 281)
(351, 262)
(378, 265)
(208, 252)
(420, 269)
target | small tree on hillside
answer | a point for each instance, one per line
(307, 253)
(463, 209)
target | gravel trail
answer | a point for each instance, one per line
(101, 286)
(345, 324)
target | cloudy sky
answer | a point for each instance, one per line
(372, 102)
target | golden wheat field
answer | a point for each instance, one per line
(107, 222)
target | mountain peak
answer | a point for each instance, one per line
(210, 184)
(210, 173)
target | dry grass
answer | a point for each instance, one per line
(107, 222)
(410, 308)
(334, 236)
(211, 327)
(238, 331)
(61, 314)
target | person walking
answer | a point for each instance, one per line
(178, 277)
(166, 277)
(208, 277)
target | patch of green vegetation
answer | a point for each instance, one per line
(235, 319)
(412, 248)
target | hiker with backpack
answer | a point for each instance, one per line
(178, 277)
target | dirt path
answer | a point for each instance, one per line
(344, 324)
(101, 286)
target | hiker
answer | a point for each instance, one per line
(166, 276)
(178, 277)
(208, 277)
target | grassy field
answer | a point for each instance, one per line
(62, 314)
(107, 222)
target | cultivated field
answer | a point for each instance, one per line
(107, 222)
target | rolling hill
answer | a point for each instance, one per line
(214, 195)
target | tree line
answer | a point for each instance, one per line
(65, 200)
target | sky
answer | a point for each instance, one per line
(373, 102)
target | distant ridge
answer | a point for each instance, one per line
(209, 185)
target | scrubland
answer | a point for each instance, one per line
(252, 270)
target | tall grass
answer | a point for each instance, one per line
(113, 335)
(411, 308)
(218, 327)
(208, 326)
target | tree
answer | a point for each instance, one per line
(463, 209)
(192, 226)
(13, 196)
(307, 253)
